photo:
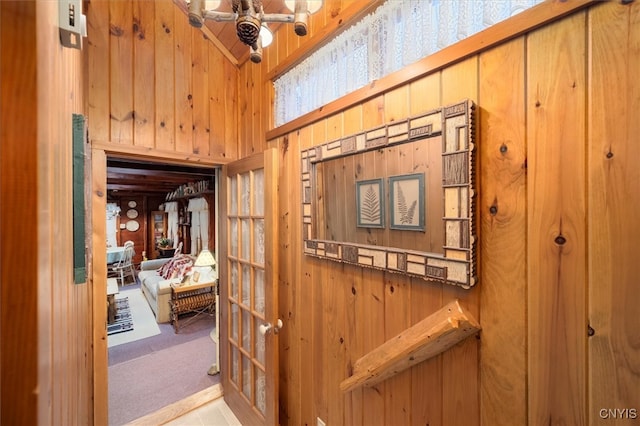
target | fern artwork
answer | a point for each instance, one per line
(406, 193)
(370, 203)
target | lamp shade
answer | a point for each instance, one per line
(212, 4)
(205, 258)
(312, 5)
(266, 35)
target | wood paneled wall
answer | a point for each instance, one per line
(158, 86)
(557, 193)
(556, 293)
(46, 318)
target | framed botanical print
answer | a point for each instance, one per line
(406, 199)
(370, 203)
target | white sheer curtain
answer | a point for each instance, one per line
(113, 211)
(199, 209)
(172, 221)
(397, 34)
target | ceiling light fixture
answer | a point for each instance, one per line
(250, 19)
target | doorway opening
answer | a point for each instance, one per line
(151, 201)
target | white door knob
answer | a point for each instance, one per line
(265, 328)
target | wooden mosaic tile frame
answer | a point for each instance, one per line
(456, 125)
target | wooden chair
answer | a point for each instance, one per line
(124, 267)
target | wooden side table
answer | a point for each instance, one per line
(196, 298)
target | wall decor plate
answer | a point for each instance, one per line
(132, 213)
(133, 225)
(132, 204)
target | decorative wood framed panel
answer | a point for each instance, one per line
(370, 205)
(454, 125)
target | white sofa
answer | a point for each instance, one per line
(156, 289)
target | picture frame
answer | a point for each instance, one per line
(406, 202)
(370, 206)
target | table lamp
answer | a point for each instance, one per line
(206, 266)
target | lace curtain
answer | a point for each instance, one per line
(398, 33)
(199, 209)
(172, 221)
(113, 211)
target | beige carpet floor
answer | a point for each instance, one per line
(148, 383)
(144, 322)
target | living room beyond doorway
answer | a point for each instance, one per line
(149, 372)
(151, 202)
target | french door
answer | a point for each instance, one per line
(248, 289)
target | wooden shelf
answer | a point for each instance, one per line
(428, 338)
(194, 195)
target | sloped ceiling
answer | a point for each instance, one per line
(225, 32)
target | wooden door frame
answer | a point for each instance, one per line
(97, 264)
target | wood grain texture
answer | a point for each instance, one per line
(288, 290)
(64, 331)
(530, 365)
(244, 124)
(305, 293)
(502, 156)
(426, 377)
(98, 238)
(462, 361)
(373, 309)
(200, 94)
(179, 92)
(556, 226)
(44, 319)
(144, 99)
(613, 203)
(164, 76)
(428, 338)
(98, 70)
(316, 269)
(397, 398)
(183, 83)
(19, 225)
(218, 121)
(121, 72)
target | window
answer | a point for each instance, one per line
(398, 33)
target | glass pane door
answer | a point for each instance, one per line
(249, 354)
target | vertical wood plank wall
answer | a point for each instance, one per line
(46, 318)
(613, 189)
(158, 86)
(18, 226)
(65, 328)
(557, 193)
(558, 189)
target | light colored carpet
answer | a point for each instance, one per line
(143, 385)
(144, 322)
